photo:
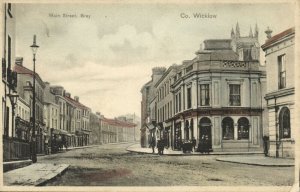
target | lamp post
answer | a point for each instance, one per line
(34, 48)
(13, 99)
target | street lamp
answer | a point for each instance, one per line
(13, 100)
(34, 48)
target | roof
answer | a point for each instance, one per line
(217, 55)
(148, 84)
(217, 44)
(20, 69)
(74, 102)
(174, 66)
(279, 36)
(119, 123)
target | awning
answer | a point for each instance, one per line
(60, 132)
(160, 126)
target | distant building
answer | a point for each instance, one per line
(147, 95)
(51, 112)
(95, 127)
(116, 131)
(280, 63)
(82, 120)
(133, 118)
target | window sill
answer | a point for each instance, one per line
(288, 140)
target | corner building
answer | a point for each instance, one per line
(218, 95)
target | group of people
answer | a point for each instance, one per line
(162, 143)
(57, 143)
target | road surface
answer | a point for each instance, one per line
(112, 165)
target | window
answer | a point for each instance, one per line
(186, 130)
(171, 106)
(234, 95)
(281, 72)
(189, 98)
(204, 95)
(168, 108)
(243, 128)
(179, 101)
(284, 123)
(9, 52)
(228, 128)
(9, 10)
(176, 103)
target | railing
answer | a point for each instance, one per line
(15, 149)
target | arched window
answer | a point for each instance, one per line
(284, 123)
(186, 130)
(228, 128)
(243, 128)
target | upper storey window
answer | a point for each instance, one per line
(234, 95)
(281, 72)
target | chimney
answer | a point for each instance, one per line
(269, 33)
(19, 61)
(68, 94)
(76, 98)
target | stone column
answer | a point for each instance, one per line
(235, 131)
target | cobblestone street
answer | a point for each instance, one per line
(112, 165)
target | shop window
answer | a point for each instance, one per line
(284, 123)
(234, 95)
(228, 128)
(243, 128)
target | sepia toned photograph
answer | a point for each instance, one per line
(193, 96)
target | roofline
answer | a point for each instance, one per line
(146, 84)
(276, 38)
(30, 73)
(165, 74)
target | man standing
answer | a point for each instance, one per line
(153, 144)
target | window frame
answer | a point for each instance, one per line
(232, 94)
(281, 61)
(206, 93)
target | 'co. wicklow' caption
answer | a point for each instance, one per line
(68, 15)
(198, 16)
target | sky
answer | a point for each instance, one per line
(106, 57)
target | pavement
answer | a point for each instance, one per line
(249, 158)
(33, 175)
(136, 148)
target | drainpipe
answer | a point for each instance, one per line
(276, 128)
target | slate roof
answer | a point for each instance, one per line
(279, 36)
(20, 69)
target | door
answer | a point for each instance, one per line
(205, 131)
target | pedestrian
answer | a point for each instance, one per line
(46, 146)
(160, 147)
(265, 143)
(153, 144)
(194, 143)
